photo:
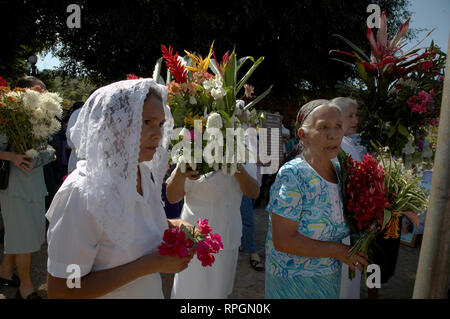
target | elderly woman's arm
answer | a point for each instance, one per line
(97, 284)
(287, 240)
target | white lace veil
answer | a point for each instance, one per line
(107, 137)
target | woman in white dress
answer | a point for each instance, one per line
(107, 219)
(350, 289)
(216, 197)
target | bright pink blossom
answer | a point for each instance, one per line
(205, 229)
(204, 253)
(132, 77)
(175, 243)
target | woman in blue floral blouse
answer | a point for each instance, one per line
(306, 223)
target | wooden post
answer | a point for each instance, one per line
(434, 263)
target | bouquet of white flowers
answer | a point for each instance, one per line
(28, 117)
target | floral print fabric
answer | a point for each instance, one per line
(299, 193)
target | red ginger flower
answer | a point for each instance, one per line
(3, 82)
(175, 67)
(366, 190)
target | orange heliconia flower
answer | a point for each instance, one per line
(392, 227)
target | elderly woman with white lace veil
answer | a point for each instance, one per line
(107, 219)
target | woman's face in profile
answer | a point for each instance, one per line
(350, 120)
(153, 118)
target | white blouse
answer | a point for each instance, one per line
(75, 237)
(349, 147)
(217, 197)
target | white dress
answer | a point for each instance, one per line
(75, 237)
(350, 289)
(216, 197)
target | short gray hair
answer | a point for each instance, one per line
(343, 102)
(308, 122)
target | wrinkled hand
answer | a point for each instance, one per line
(23, 162)
(358, 260)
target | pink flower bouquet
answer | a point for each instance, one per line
(177, 241)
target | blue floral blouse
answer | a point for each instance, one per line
(301, 194)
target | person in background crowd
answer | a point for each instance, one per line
(73, 159)
(350, 289)
(23, 211)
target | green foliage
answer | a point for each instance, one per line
(73, 89)
(123, 37)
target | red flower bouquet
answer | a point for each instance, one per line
(177, 241)
(365, 200)
(375, 194)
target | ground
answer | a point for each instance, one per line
(249, 284)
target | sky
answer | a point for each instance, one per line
(426, 14)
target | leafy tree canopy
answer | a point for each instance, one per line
(120, 37)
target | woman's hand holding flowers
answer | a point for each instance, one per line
(22, 162)
(358, 260)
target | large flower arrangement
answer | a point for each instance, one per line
(28, 117)
(375, 194)
(401, 92)
(203, 101)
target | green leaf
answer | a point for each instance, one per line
(169, 77)
(214, 68)
(362, 71)
(402, 130)
(230, 72)
(353, 46)
(241, 61)
(187, 60)
(157, 71)
(343, 62)
(387, 217)
(259, 98)
(230, 84)
(248, 74)
(225, 115)
(391, 131)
